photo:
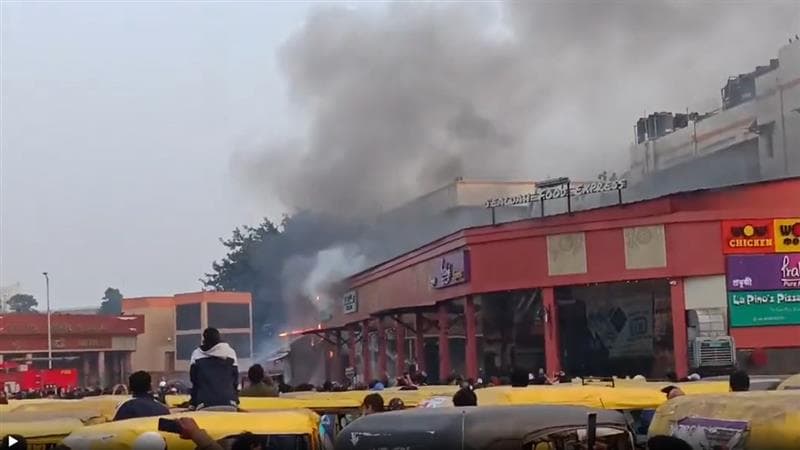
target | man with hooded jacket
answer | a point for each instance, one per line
(214, 373)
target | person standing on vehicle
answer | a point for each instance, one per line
(214, 373)
(739, 381)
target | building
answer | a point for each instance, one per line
(175, 326)
(619, 290)
(99, 347)
(754, 135)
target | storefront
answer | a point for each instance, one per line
(533, 293)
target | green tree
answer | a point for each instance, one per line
(112, 302)
(22, 303)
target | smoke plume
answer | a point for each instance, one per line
(403, 100)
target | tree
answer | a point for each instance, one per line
(112, 302)
(22, 303)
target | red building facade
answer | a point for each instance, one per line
(98, 346)
(651, 262)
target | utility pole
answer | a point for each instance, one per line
(49, 329)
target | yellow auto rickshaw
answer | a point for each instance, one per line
(41, 434)
(741, 420)
(297, 428)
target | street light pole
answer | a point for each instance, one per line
(49, 329)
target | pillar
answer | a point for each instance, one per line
(351, 343)
(400, 342)
(419, 343)
(126, 366)
(101, 369)
(444, 342)
(679, 340)
(87, 369)
(552, 344)
(382, 366)
(366, 357)
(336, 357)
(471, 347)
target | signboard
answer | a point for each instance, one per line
(703, 433)
(350, 302)
(576, 189)
(763, 308)
(748, 236)
(450, 270)
(763, 272)
(787, 235)
(625, 326)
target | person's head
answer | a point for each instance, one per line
(246, 441)
(211, 337)
(396, 404)
(140, 383)
(739, 381)
(373, 403)
(19, 442)
(519, 378)
(672, 392)
(667, 443)
(150, 440)
(255, 374)
(465, 397)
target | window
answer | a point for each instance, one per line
(240, 343)
(187, 317)
(227, 315)
(185, 345)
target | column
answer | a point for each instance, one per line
(444, 342)
(679, 340)
(336, 357)
(382, 366)
(366, 357)
(419, 342)
(126, 366)
(552, 344)
(471, 347)
(400, 342)
(87, 369)
(351, 343)
(101, 369)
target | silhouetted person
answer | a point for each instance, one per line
(372, 404)
(260, 386)
(672, 392)
(739, 381)
(214, 373)
(142, 404)
(519, 378)
(465, 397)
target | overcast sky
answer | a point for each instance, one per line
(118, 125)
(120, 121)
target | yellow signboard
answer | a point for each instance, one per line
(787, 235)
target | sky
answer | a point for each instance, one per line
(123, 125)
(118, 124)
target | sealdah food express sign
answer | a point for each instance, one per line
(576, 189)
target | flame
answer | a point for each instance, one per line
(297, 332)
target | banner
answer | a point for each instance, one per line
(787, 235)
(763, 272)
(748, 236)
(762, 308)
(711, 434)
(623, 324)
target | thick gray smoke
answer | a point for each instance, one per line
(403, 100)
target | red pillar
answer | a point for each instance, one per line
(470, 328)
(444, 342)
(366, 357)
(419, 343)
(351, 343)
(679, 340)
(552, 344)
(381, 350)
(400, 341)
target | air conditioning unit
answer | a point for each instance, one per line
(713, 352)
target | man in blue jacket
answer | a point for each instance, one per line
(143, 404)
(214, 373)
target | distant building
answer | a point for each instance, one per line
(99, 347)
(174, 327)
(755, 135)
